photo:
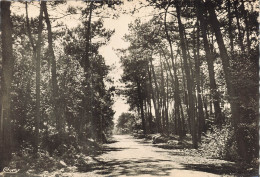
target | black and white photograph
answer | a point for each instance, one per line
(113, 88)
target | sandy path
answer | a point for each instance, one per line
(133, 157)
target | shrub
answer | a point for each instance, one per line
(38, 163)
(220, 143)
(58, 144)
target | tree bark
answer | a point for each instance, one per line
(224, 56)
(55, 89)
(230, 26)
(228, 77)
(201, 118)
(150, 116)
(167, 105)
(37, 58)
(157, 95)
(188, 77)
(164, 109)
(157, 115)
(140, 99)
(6, 80)
(245, 15)
(210, 59)
(87, 98)
(177, 98)
(38, 77)
(240, 35)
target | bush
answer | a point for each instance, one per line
(220, 143)
(56, 151)
(63, 155)
(38, 163)
(59, 144)
(247, 137)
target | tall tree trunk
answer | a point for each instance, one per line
(185, 95)
(167, 104)
(183, 129)
(224, 56)
(140, 98)
(87, 98)
(188, 77)
(145, 107)
(150, 116)
(38, 77)
(210, 58)
(164, 109)
(177, 98)
(157, 115)
(163, 96)
(228, 77)
(88, 38)
(201, 119)
(230, 26)
(245, 15)
(149, 106)
(37, 58)
(205, 104)
(6, 80)
(55, 89)
(240, 35)
(157, 95)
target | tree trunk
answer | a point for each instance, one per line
(149, 107)
(38, 77)
(157, 117)
(6, 80)
(150, 116)
(157, 95)
(177, 98)
(224, 56)
(228, 77)
(167, 105)
(245, 15)
(163, 98)
(183, 129)
(88, 37)
(55, 89)
(176, 95)
(185, 96)
(210, 59)
(230, 26)
(188, 77)
(240, 35)
(201, 119)
(140, 99)
(87, 98)
(145, 108)
(37, 58)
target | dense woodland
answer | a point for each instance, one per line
(192, 69)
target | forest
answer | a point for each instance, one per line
(190, 72)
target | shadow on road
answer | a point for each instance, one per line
(133, 167)
(221, 169)
(156, 167)
(135, 160)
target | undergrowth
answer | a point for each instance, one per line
(52, 156)
(219, 143)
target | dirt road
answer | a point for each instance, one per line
(135, 157)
